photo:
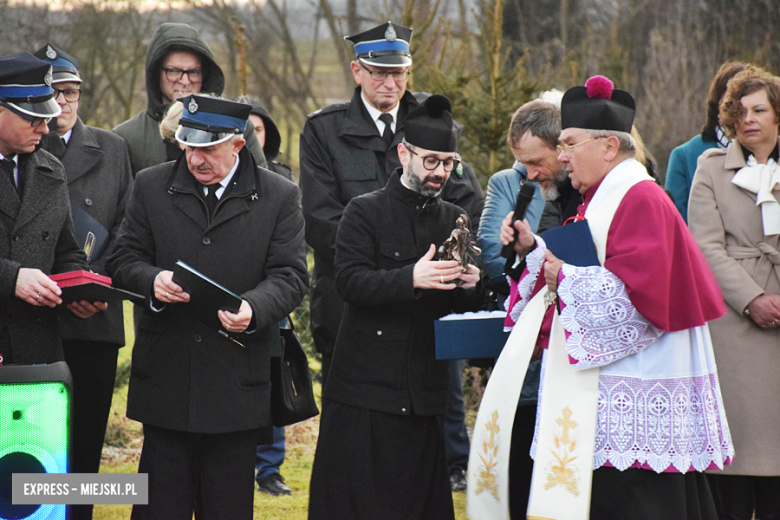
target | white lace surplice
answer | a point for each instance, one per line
(660, 408)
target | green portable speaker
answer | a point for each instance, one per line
(34, 431)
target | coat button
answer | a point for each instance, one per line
(17, 237)
(206, 241)
(88, 202)
(46, 235)
(379, 333)
(197, 338)
(403, 410)
(397, 254)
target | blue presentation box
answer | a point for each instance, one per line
(470, 337)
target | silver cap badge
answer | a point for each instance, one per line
(51, 53)
(193, 106)
(390, 32)
(47, 77)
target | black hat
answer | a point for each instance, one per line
(25, 86)
(66, 67)
(430, 126)
(598, 106)
(207, 120)
(385, 45)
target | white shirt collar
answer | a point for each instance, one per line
(224, 183)
(67, 135)
(375, 113)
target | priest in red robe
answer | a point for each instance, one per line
(640, 316)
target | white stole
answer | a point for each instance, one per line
(563, 466)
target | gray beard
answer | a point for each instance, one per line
(423, 188)
(553, 193)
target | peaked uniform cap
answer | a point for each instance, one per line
(207, 120)
(25, 86)
(65, 67)
(430, 125)
(386, 45)
(598, 106)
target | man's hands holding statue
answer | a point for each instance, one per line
(525, 244)
(439, 274)
(166, 291)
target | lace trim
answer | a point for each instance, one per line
(668, 424)
(533, 266)
(675, 424)
(604, 325)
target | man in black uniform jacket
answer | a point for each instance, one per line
(203, 393)
(380, 453)
(36, 230)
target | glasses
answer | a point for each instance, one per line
(174, 74)
(71, 94)
(35, 122)
(381, 75)
(568, 148)
(431, 162)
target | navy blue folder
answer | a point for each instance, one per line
(573, 244)
(84, 223)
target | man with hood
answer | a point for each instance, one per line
(178, 63)
(268, 136)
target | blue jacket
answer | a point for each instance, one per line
(682, 166)
(501, 195)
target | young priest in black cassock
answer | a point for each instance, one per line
(380, 453)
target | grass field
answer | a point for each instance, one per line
(301, 443)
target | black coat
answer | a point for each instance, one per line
(99, 178)
(35, 232)
(385, 353)
(185, 375)
(342, 155)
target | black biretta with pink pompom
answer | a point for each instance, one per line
(430, 126)
(598, 106)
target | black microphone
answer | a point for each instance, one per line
(524, 197)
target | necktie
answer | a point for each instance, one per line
(211, 199)
(8, 165)
(57, 145)
(387, 135)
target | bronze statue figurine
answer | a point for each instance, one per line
(460, 246)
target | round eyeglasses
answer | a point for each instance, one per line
(431, 162)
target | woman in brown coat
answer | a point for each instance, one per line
(735, 216)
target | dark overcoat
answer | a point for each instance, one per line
(185, 375)
(99, 178)
(342, 155)
(385, 353)
(35, 232)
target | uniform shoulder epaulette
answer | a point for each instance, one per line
(336, 107)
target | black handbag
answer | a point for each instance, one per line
(292, 396)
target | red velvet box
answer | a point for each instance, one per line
(80, 277)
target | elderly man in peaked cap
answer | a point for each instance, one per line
(36, 230)
(349, 149)
(97, 168)
(202, 389)
(639, 317)
(380, 453)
